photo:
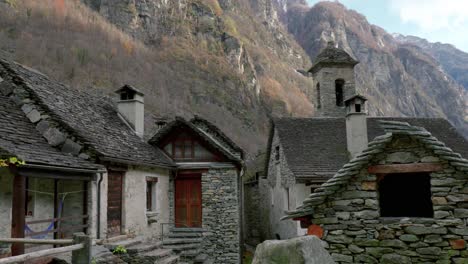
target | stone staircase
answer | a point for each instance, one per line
(187, 243)
(138, 251)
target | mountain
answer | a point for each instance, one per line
(229, 61)
(453, 61)
(399, 78)
(235, 62)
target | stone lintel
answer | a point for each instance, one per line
(405, 168)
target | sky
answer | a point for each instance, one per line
(443, 21)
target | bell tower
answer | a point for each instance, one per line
(333, 75)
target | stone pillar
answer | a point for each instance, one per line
(82, 256)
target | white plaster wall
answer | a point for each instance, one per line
(135, 219)
(301, 192)
(103, 206)
(6, 189)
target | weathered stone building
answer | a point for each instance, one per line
(403, 199)
(185, 180)
(304, 153)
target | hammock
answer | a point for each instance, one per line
(28, 230)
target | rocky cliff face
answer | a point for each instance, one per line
(399, 79)
(236, 62)
(453, 61)
(230, 61)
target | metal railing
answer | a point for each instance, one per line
(80, 246)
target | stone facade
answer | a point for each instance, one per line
(355, 232)
(221, 215)
(326, 77)
(256, 212)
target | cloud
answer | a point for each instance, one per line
(433, 15)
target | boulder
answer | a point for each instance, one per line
(300, 250)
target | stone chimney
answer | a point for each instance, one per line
(356, 124)
(131, 106)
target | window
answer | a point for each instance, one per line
(277, 153)
(151, 188)
(339, 85)
(357, 108)
(319, 100)
(286, 199)
(30, 198)
(185, 147)
(405, 195)
(127, 95)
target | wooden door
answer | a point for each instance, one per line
(114, 203)
(188, 204)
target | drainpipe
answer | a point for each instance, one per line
(98, 228)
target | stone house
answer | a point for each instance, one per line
(132, 192)
(50, 185)
(303, 153)
(205, 190)
(403, 199)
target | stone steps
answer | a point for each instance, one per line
(139, 248)
(184, 235)
(125, 243)
(174, 241)
(182, 247)
(186, 242)
(169, 260)
(139, 251)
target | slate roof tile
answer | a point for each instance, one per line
(93, 120)
(19, 137)
(316, 147)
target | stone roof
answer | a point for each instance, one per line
(92, 119)
(316, 147)
(208, 138)
(19, 138)
(341, 178)
(218, 133)
(332, 56)
(129, 87)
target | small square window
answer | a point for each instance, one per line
(358, 108)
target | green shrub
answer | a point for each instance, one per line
(119, 250)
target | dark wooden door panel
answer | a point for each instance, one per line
(114, 203)
(188, 205)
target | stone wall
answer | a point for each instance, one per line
(6, 190)
(256, 203)
(221, 216)
(326, 77)
(355, 232)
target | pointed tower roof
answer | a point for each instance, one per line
(332, 56)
